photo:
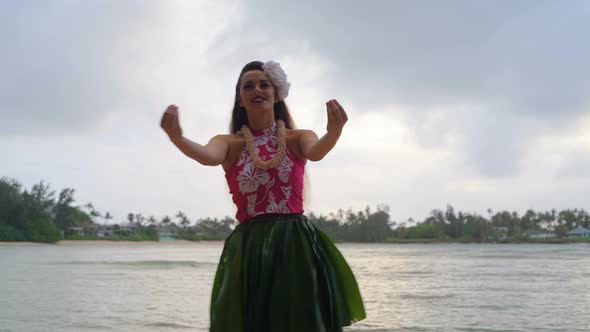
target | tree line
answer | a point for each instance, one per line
(41, 215)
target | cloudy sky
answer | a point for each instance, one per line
(478, 104)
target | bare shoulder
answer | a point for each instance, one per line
(235, 145)
(300, 133)
(227, 138)
(296, 139)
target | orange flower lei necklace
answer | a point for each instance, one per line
(282, 147)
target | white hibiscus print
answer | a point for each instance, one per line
(270, 132)
(285, 169)
(268, 142)
(260, 140)
(273, 207)
(251, 204)
(244, 157)
(270, 148)
(286, 191)
(251, 177)
(271, 198)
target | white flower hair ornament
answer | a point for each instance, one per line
(278, 78)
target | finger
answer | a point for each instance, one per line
(330, 112)
(169, 121)
(173, 110)
(174, 123)
(336, 111)
(342, 111)
(165, 119)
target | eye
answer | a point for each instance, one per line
(248, 86)
(265, 84)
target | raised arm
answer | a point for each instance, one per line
(211, 154)
(316, 149)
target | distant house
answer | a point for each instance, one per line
(539, 234)
(579, 232)
(499, 233)
(166, 234)
(130, 228)
(77, 230)
(104, 230)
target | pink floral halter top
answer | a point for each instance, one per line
(276, 190)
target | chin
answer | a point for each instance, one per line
(262, 108)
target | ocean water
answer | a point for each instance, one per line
(409, 287)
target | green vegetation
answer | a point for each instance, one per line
(452, 226)
(36, 215)
(361, 226)
(206, 229)
(9, 233)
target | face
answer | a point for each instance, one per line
(256, 91)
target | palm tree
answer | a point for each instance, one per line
(182, 218)
(139, 219)
(185, 222)
(107, 217)
(152, 220)
(166, 221)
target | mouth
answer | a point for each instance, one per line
(258, 100)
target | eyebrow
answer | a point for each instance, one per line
(250, 81)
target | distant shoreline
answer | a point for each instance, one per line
(511, 241)
(405, 241)
(106, 242)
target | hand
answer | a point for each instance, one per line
(336, 117)
(170, 123)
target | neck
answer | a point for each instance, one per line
(261, 121)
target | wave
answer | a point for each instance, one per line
(427, 296)
(168, 325)
(146, 263)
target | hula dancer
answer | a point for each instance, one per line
(277, 272)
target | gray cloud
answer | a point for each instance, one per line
(475, 82)
(424, 52)
(66, 65)
(575, 167)
(503, 71)
(523, 61)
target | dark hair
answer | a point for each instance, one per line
(239, 117)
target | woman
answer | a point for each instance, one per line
(277, 272)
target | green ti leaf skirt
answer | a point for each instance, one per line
(282, 274)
